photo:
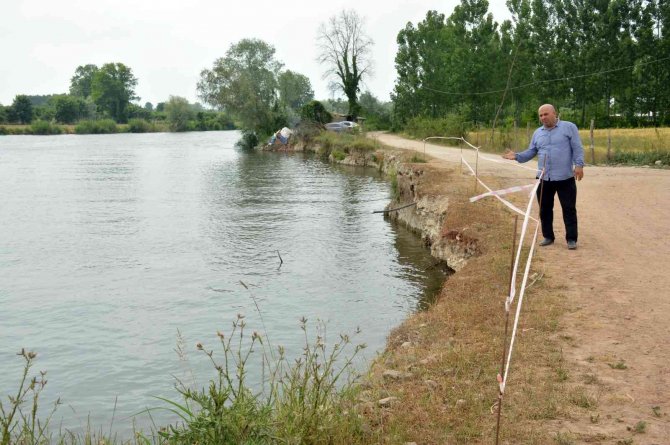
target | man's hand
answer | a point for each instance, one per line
(509, 154)
(579, 173)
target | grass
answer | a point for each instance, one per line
(458, 343)
(345, 143)
(639, 428)
(39, 127)
(633, 146)
(620, 365)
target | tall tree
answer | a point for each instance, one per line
(178, 112)
(422, 69)
(68, 109)
(80, 84)
(112, 89)
(295, 89)
(21, 110)
(345, 51)
(244, 84)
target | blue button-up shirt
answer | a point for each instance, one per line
(557, 150)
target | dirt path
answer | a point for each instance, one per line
(618, 285)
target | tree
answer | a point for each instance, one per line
(112, 89)
(377, 114)
(345, 51)
(314, 111)
(244, 84)
(21, 110)
(179, 112)
(149, 106)
(295, 89)
(67, 109)
(80, 84)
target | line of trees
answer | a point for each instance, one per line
(603, 59)
(108, 93)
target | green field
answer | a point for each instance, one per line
(637, 146)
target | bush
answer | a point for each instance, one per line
(314, 111)
(641, 157)
(44, 128)
(309, 400)
(422, 127)
(345, 143)
(139, 126)
(179, 113)
(248, 141)
(103, 126)
(338, 155)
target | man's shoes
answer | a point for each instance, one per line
(546, 242)
(572, 245)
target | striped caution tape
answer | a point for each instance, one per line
(524, 227)
(504, 201)
(503, 384)
(502, 192)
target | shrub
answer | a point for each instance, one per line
(345, 142)
(314, 111)
(308, 400)
(44, 128)
(179, 113)
(248, 141)
(139, 126)
(103, 126)
(338, 155)
(641, 157)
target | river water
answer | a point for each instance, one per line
(111, 245)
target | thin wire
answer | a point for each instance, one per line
(548, 80)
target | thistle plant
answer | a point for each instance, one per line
(19, 420)
(308, 399)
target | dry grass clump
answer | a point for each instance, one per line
(448, 356)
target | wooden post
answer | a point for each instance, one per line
(609, 144)
(504, 355)
(476, 170)
(516, 136)
(593, 150)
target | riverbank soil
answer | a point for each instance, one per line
(592, 359)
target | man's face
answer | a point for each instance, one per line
(547, 116)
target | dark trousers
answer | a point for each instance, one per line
(567, 195)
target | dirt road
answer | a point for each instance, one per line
(618, 286)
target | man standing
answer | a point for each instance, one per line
(558, 148)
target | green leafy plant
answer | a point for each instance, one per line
(102, 126)
(307, 400)
(44, 128)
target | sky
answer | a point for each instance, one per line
(167, 43)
